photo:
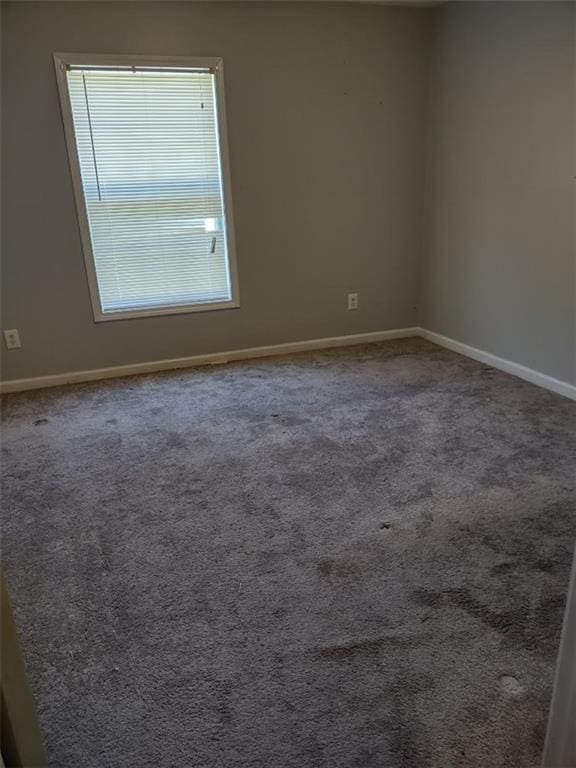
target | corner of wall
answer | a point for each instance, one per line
(427, 170)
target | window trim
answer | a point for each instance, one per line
(61, 61)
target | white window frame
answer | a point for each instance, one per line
(62, 61)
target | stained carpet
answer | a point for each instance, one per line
(347, 558)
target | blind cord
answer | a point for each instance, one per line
(92, 138)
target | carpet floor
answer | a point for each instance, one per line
(356, 557)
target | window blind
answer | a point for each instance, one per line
(147, 143)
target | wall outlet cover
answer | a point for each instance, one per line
(12, 339)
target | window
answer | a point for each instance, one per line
(148, 155)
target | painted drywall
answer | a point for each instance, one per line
(326, 115)
(499, 255)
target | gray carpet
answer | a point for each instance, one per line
(349, 558)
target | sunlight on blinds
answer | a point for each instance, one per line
(147, 145)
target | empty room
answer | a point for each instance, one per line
(288, 377)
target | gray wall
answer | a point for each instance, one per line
(326, 115)
(332, 139)
(499, 267)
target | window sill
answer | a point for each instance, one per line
(131, 314)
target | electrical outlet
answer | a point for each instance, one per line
(352, 301)
(12, 339)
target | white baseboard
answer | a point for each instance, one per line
(215, 358)
(528, 374)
